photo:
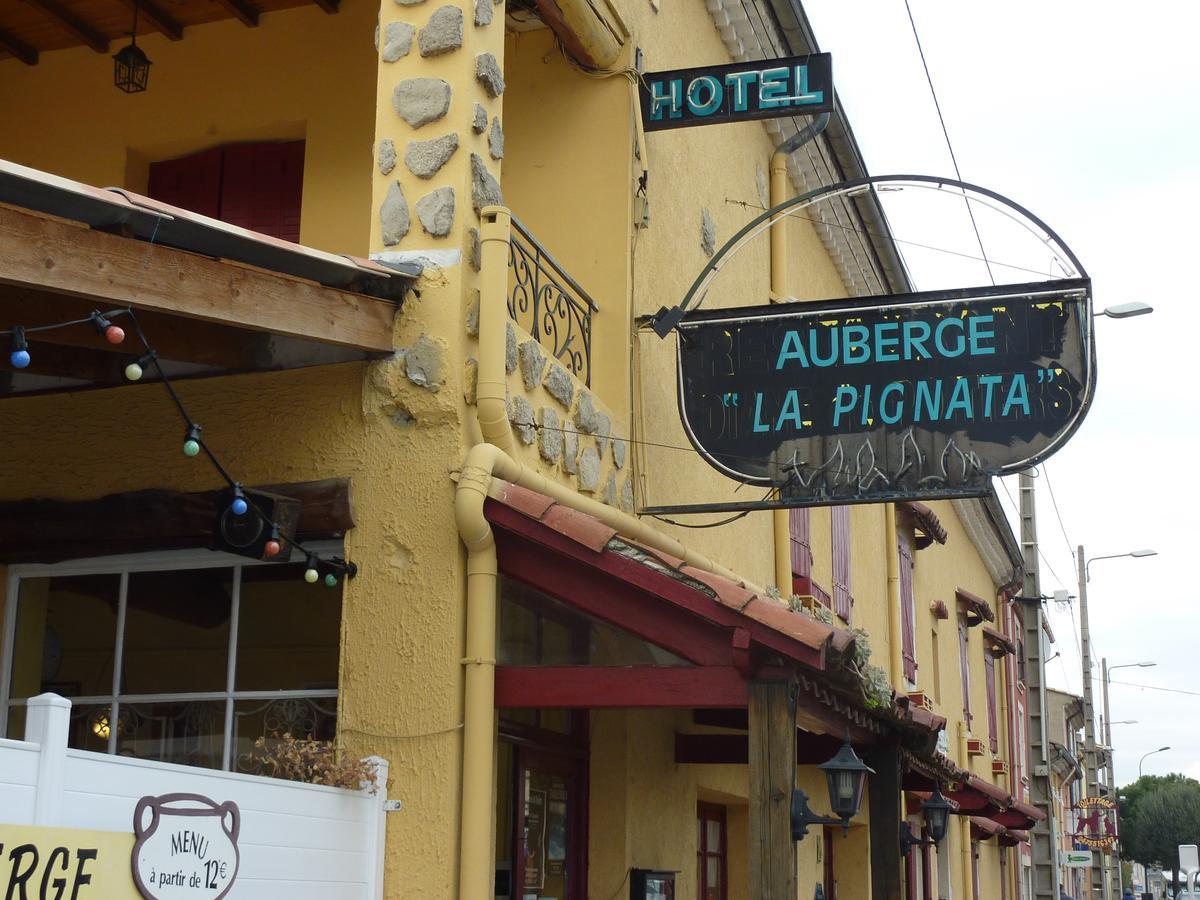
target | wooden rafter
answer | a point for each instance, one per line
(153, 14)
(45, 254)
(242, 11)
(18, 48)
(330, 6)
(70, 23)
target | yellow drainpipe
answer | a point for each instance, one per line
(891, 551)
(964, 828)
(780, 524)
(483, 462)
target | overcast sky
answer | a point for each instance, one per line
(1089, 115)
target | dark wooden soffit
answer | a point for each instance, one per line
(46, 255)
(30, 27)
(48, 531)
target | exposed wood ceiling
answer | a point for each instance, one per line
(31, 27)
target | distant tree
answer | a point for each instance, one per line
(1158, 813)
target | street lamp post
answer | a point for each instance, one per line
(1099, 886)
(1117, 879)
(1151, 753)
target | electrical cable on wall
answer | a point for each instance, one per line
(243, 503)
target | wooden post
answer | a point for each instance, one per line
(772, 858)
(884, 804)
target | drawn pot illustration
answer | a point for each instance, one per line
(185, 846)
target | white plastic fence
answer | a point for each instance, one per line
(299, 841)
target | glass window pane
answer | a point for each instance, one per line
(713, 879)
(288, 631)
(714, 837)
(91, 725)
(301, 717)
(187, 732)
(177, 631)
(65, 635)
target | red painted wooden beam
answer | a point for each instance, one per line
(619, 686)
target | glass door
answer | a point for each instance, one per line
(548, 863)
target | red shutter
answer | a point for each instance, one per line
(798, 525)
(843, 600)
(989, 681)
(963, 664)
(193, 182)
(261, 188)
(908, 625)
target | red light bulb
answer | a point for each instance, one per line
(114, 334)
(272, 548)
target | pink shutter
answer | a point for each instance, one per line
(908, 625)
(798, 525)
(989, 681)
(262, 186)
(192, 182)
(963, 660)
(843, 600)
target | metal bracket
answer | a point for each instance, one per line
(393, 805)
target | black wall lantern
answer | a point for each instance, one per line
(937, 811)
(847, 777)
(131, 67)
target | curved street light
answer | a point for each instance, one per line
(1151, 753)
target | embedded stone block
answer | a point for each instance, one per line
(626, 502)
(489, 74)
(603, 431)
(436, 211)
(470, 381)
(419, 101)
(483, 13)
(510, 349)
(442, 33)
(475, 250)
(387, 156)
(520, 413)
(397, 41)
(708, 233)
(423, 363)
(496, 139)
(551, 436)
(393, 215)
(570, 449)
(485, 189)
(609, 494)
(533, 364)
(589, 470)
(560, 385)
(473, 316)
(479, 120)
(425, 158)
(587, 419)
(619, 448)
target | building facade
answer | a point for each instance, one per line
(396, 260)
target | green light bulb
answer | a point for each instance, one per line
(331, 580)
(191, 447)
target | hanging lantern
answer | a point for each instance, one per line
(131, 67)
(937, 815)
(847, 776)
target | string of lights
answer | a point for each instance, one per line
(334, 568)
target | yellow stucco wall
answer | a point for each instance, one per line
(300, 74)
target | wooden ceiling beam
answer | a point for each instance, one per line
(92, 366)
(242, 11)
(47, 255)
(330, 6)
(18, 48)
(71, 24)
(175, 338)
(153, 14)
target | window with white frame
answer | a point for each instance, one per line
(185, 657)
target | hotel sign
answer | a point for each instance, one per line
(912, 396)
(762, 89)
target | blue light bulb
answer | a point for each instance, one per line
(238, 506)
(20, 359)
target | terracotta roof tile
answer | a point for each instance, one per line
(579, 527)
(729, 594)
(523, 500)
(798, 627)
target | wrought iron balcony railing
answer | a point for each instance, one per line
(549, 304)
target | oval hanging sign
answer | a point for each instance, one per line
(907, 396)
